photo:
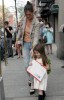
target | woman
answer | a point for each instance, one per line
(49, 35)
(30, 34)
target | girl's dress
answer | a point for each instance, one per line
(43, 84)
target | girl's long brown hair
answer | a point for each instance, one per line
(41, 49)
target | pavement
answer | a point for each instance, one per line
(16, 83)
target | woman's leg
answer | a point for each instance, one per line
(27, 57)
(50, 48)
(18, 50)
(47, 47)
(16, 47)
(26, 54)
(32, 90)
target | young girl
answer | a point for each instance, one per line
(40, 56)
(18, 44)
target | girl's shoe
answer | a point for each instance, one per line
(40, 97)
(44, 94)
(29, 83)
(32, 91)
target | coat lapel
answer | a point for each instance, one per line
(32, 26)
(23, 27)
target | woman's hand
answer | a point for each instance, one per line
(16, 44)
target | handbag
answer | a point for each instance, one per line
(45, 39)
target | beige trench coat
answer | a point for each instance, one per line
(34, 32)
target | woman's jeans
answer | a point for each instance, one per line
(27, 46)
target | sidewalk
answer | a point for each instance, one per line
(16, 83)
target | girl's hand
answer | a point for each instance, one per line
(31, 52)
(47, 67)
(30, 64)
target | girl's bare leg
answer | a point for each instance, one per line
(40, 92)
(40, 96)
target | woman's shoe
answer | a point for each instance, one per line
(29, 83)
(32, 91)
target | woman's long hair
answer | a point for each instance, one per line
(41, 49)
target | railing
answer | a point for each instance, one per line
(46, 1)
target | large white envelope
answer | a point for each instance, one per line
(36, 70)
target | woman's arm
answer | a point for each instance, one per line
(36, 35)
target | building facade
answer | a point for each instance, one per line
(52, 11)
(59, 29)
